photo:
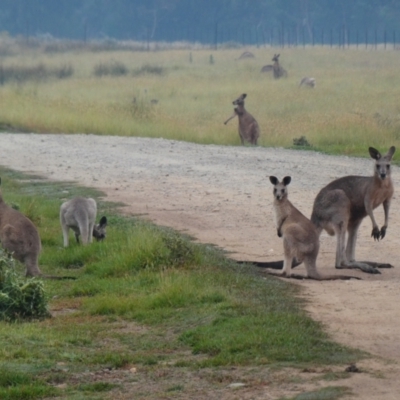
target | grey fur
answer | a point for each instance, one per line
(341, 206)
(300, 237)
(79, 214)
(19, 236)
(249, 130)
(309, 82)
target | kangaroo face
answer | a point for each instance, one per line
(280, 190)
(382, 163)
(240, 100)
(99, 230)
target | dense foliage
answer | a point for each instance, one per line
(20, 298)
(195, 20)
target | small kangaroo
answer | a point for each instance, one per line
(79, 214)
(300, 238)
(279, 71)
(308, 82)
(344, 203)
(249, 130)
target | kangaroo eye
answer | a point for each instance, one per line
(388, 166)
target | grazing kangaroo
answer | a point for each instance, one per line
(79, 214)
(249, 130)
(267, 68)
(279, 71)
(309, 82)
(344, 203)
(300, 238)
(246, 54)
(20, 237)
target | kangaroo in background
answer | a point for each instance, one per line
(249, 130)
(344, 203)
(79, 214)
(279, 71)
(300, 237)
(309, 82)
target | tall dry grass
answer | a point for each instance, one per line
(355, 103)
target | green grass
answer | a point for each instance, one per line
(152, 296)
(353, 106)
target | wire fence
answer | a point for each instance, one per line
(223, 36)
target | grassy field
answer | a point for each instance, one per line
(151, 301)
(355, 103)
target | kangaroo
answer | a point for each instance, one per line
(248, 126)
(20, 237)
(246, 54)
(344, 203)
(300, 237)
(267, 68)
(79, 214)
(309, 82)
(279, 71)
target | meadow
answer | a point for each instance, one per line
(110, 92)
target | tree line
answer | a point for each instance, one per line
(206, 21)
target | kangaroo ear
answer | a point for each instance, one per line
(389, 154)
(287, 180)
(374, 153)
(244, 95)
(273, 179)
(103, 222)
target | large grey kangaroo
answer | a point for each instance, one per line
(20, 237)
(249, 130)
(79, 214)
(300, 237)
(341, 206)
(344, 203)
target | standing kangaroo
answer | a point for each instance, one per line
(344, 203)
(279, 71)
(79, 214)
(249, 130)
(300, 237)
(341, 206)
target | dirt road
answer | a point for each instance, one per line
(222, 195)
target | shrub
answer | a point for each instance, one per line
(37, 72)
(149, 69)
(114, 68)
(20, 298)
